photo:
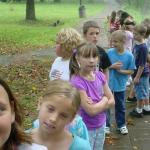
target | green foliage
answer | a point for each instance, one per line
(20, 34)
(136, 13)
(139, 7)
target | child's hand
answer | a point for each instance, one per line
(56, 74)
(89, 101)
(120, 70)
(117, 65)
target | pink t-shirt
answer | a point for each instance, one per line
(94, 90)
(129, 41)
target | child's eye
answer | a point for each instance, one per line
(50, 109)
(2, 109)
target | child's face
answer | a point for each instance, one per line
(58, 49)
(92, 35)
(88, 63)
(137, 36)
(55, 113)
(6, 117)
(117, 43)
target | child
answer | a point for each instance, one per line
(146, 22)
(141, 74)
(93, 89)
(57, 109)
(128, 26)
(91, 31)
(112, 21)
(12, 136)
(67, 40)
(122, 66)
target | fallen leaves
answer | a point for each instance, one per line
(28, 81)
(111, 139)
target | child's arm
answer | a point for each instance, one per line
(127, 72)
(92, 109)
(117, 65)
(138, 75)
(109, 95)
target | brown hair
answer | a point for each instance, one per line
(17, 135)
(119, 34)
(61, 87)
(69, 39)
(89, 24)
(84, 50)
(113, 16)
(141, 29)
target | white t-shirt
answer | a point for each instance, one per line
(61, 67)
(33, 146)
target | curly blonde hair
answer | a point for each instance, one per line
(69, 39)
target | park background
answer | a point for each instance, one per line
(22, 32)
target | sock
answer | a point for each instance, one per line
(139, 110)
(147, 107)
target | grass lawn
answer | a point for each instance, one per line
(17, 35)
(28, 79)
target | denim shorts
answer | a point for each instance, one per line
(97, 138)
(142, 88)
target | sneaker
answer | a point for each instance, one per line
(145, 112)
(123, 130)
(131, 100)
(134, 113)
(107, 130)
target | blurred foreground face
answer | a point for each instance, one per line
(92, 35)
(6, 117)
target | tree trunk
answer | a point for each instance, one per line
(30, 10)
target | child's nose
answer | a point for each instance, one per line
(91, 59)
(53, 117)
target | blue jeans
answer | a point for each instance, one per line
(119, 110)
(108, 118)
(142, 88)
(97, 138)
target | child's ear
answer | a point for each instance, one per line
(39, 103)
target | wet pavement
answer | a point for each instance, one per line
(138, 137)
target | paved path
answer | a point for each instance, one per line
(138, 137)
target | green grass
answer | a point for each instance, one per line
(17, 33)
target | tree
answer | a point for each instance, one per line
(30, 10)
(57, 1)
